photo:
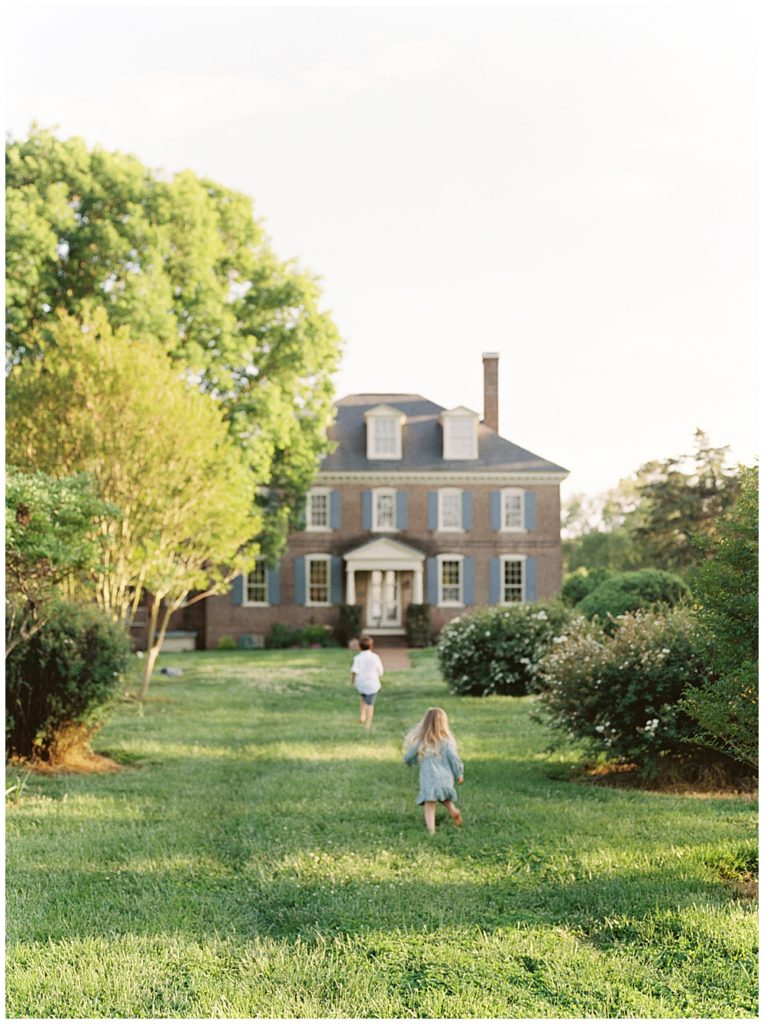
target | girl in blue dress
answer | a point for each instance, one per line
(431, 745)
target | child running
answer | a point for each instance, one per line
(431, 745)
(365, 675)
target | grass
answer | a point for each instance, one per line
(259, 855)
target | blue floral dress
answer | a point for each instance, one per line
(437, 771)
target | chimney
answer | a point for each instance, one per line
(491, 390)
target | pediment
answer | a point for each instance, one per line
(384, 550)
(384, 410)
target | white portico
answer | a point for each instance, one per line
(384, 560)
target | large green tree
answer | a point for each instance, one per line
(183, 260)
(116, 407)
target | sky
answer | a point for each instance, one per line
(571, 187)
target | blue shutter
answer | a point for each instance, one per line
(494, 581)
(468, 583)
(530, 510)
(366, 510)
(495, 510)
(530, 580)
(401, 510)
(432, 581)
(237, 590)
(273, 577)
(335, 510)
(335, 582)
(467, 510)
(432, 510)
(299, 581)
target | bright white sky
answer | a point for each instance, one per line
(573, 187)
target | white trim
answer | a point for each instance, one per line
(319, 557)
(450, 558)
(512, 492)
(465, 477)
(384, 553)
(503, 559)
(376, 493)
(455, 415)
(315, 492)
(442, 492)
(384, 412)
(246, 603)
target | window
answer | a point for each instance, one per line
(318, 579)
(383, 510)
(317, 512)
(460, 434)
(512, 570)
(450, 581)
(256, 584)
(512, 509)
(384, 427)
(450, 510)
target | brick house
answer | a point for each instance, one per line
(416, 504)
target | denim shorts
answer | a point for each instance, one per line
(368, 698)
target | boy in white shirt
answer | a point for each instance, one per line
(366, 672)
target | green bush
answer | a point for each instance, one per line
(418, 630)
(497, 650)
(621, 694)
(315, 635)
(63, 676)
(630, 591)
(350, 624)
(282, 636)
(581, 583)
(226, 643)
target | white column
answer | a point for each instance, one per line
(350, 585)
(418, 585)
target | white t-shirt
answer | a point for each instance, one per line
(368, 671)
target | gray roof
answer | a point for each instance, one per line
(422, 442)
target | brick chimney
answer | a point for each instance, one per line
(491, 390)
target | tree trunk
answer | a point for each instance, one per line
(152, 647)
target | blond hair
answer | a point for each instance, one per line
(429, 732)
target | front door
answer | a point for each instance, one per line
(383, 603)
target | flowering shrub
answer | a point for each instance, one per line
(620, 694)
(497, 650)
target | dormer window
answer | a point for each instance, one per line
(384, 433)
(459, 434)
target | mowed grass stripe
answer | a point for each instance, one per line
(261, 855)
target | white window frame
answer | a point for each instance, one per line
(377, 493)
(372, 419)
(459, 416)
(247, 603)
(310, 560)
(310, 526)
(504, 559)
(450, 558)
(450, 492)
(506, 494)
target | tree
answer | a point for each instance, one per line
(726, 589)
(102, 402)
(182, 260)
(50, 538)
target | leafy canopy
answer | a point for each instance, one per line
(182, 260)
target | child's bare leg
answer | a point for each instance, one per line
(429, 815)
(453, 810)
(369, 715)
(362, 714)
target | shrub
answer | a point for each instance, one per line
(418, 630)
(497, 650)
(282, 636)
(349, 626)
(61, 678)
(313, 635)
(226, 643)
(581, 583)
(620, 694)
(630, 591)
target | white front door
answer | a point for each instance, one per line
(383, 604)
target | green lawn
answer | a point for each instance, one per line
(262, 856)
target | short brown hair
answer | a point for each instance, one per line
(366, 643)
